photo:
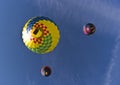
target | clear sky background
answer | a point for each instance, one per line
(78, 59)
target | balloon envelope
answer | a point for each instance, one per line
(40, 35)
(89, 29)
(46, 71)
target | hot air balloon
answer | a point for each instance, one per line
(89, 29)
(40, 35)
(46, 71)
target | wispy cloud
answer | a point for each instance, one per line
(109, 77)
(65, 9)
(112, 13)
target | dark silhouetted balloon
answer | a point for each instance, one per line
(46, 71)
(89, 29)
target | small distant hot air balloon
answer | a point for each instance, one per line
(40, 35)
(46, 71)
(89, 29)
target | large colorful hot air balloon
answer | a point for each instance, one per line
(40, 35)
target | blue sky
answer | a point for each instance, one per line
(78, 59)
